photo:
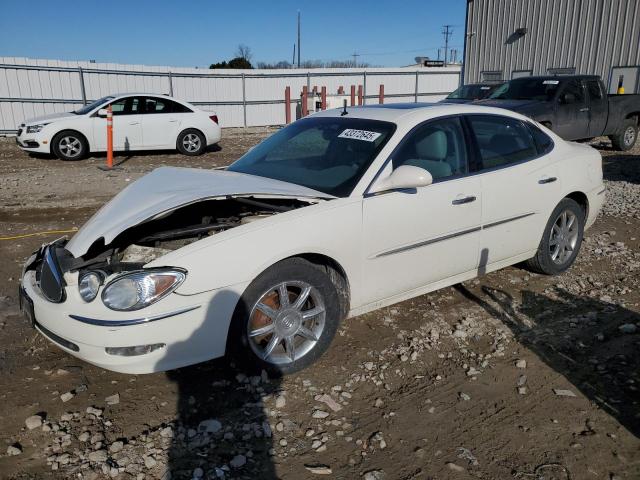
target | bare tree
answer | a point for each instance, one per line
(244, 52)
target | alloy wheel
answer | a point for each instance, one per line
(70, 146)
(286, 322)
(191, 142)
(629, 136)
(563, 237)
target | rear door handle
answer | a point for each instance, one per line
(173, 120)
(463, 200)
(584, 109)
(134, 123)
(542, 181)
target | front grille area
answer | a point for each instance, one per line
(50, 277)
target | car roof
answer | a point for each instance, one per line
(556, 77)
(412, 113)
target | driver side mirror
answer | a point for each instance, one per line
(403, 177)
(102, 112)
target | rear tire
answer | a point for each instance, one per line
(191, 142)
(294, 335)
(561, 239)
(626, 139)
(69, 145)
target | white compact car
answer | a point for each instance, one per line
(140, 122)
(338, 214)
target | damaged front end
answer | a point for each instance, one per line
(117, 268)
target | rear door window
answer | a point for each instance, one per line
(543, 142)
(502, 141)
(573, 93)
(593, 87)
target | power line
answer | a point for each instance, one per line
(447, 31)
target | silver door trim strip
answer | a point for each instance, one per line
(133, 321)
(450, 236)
(428, 242)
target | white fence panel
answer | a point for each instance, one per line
(32, 87)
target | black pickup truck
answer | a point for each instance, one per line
(575, 107)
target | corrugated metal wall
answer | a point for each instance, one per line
(239, 97)
(591, 35)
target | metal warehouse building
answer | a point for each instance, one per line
(507, 39)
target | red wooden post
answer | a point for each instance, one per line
(305, 95)
(340, 90)
(353, 95)
(360, 94)
(323, 97)
(381, 95)
(109, 137)
(287, 105)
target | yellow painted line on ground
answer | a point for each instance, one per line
(35, 234)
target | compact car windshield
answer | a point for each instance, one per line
(527, 89)
(92, 105)
(328, 154)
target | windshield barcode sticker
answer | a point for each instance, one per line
(359, 135)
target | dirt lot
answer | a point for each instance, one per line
(511, 376)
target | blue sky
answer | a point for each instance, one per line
(197, 33)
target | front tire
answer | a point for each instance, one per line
(286, 319)
(561, 239)
(69, 145)
(626, 139)
(191, 142)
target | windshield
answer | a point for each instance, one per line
(470, 92)
(527, 89)
(328, 154)
(87, 108)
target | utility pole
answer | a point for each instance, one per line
(298, 38)
(293, 60)
(355, 56)
(446, 32)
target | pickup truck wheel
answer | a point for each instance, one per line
(286, 319)
(561, 239)
(626, 139)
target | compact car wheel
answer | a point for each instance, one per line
(561, 239)
(191, 142)
(69, 145)
(626, 139)
(287, 318)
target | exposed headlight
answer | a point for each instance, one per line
(89, 285)
(36, 128)
(136, 290)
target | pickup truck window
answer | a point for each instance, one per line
(527, 89)
(593, 86)
(572, 93)
(502, 141)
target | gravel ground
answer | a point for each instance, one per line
(509, 376)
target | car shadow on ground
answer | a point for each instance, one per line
(578, 337)
(620, 166)
(221, 424)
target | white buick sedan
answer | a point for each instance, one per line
(338, 214)
(140, 122)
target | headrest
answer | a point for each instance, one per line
(433, 146)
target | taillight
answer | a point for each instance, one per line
(214, 118)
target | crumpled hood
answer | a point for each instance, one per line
(52, 117)
(168, 188)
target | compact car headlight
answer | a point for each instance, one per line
(89, 285)
(36, 128)
(136, 290)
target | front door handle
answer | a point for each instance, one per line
(463, 200)
(173, 120)
(134, 123)
(584, 109)
(542, 181)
